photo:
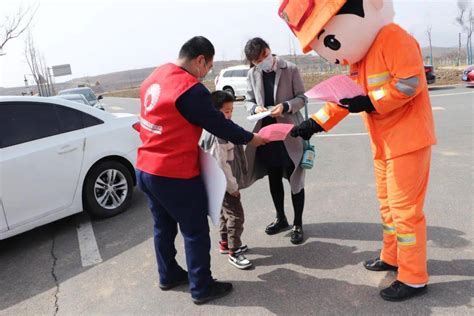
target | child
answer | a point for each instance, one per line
(231, 159)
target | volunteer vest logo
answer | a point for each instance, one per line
(152, 96)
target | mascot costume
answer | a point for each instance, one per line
(387, 63)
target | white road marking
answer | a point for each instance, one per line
(450, 94)
(90, 254)
(434, 108)
(116, 108)
(341, 135)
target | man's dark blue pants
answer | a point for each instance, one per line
(180, 202)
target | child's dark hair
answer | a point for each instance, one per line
(220, 97)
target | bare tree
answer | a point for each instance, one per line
(428, 33)
(14, 26)
(465, 19)
(469, 29)
(458, 60)
(37, 64)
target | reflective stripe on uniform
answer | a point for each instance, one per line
(378, 79)
(389, 229)
(406, 239)
(322, 116)
(408, 86)
(151, 127)
(378, 94)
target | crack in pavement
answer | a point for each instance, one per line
(53, 274)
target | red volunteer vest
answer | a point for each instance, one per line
(169, 142)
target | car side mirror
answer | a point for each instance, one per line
(100, 97)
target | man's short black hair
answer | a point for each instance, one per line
(219, 98)
(254, 48)
(196, 46)
(355, 7)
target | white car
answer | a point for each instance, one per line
(59, 157)
(233, 80)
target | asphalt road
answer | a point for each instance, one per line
(42, 272)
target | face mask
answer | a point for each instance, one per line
(201, 78)
(267, 64)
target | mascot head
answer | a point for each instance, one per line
(340, 31)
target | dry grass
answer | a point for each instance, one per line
(448, 76)
(127, 93)
(312, 79)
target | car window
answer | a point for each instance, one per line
(240, 73)
(228, 74)
(89, 120)
(81, 101)
(245, 72)
(69, 119)
(90, 96)
(87, 93)
(22, 122)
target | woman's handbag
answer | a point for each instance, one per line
(309, 154)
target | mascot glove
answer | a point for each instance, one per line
(306, 129)
(358, 104)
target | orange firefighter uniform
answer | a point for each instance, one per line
(401, 132)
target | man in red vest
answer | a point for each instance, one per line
(175, 107)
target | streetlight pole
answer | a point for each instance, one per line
(26, 84)
(50, 80)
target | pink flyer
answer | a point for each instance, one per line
(335, 88)
(276, 132)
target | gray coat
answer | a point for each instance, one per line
(288, 88)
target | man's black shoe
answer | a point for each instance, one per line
(277, 226)
(399, 291)
(378, 265)
(181, 281)
(216, 290)
(297, 235)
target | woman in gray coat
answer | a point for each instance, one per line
(276, 84)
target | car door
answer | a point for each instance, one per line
(43, 148)
(241, 81)
(3, 220)
(228, 79)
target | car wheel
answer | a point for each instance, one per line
(230, 91)
(108, 189)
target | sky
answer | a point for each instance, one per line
(101, 36)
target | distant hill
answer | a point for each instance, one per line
(444, 55)
(307, 64)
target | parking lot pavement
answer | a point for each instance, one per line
(43, 271)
